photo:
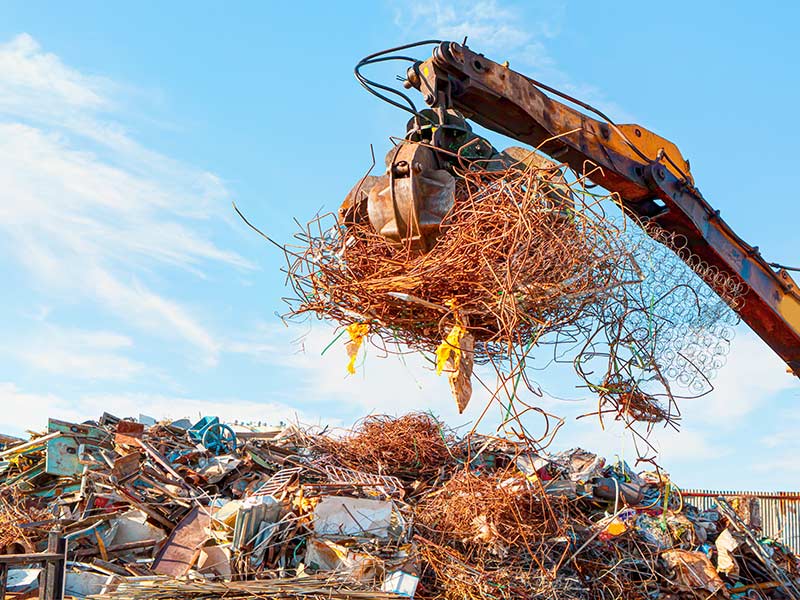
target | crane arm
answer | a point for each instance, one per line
(648, 173)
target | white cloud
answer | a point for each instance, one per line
(316, 365)
(24, 411)
(784, 466)
(152, 311)
(90, 213)
(76, 353)
(35, 81)
(517, 32)
(670, 448)
(782, 444)
(496, 28)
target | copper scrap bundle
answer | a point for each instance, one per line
(524, 259)
(514, 261)
(396, 508)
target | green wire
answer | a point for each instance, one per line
(516, 383)
(332, 342)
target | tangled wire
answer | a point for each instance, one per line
(493, 535)
(414, 446)
(526, 260)
(14, 511)
(515, 262)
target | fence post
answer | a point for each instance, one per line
(43, 576)
(3, 580)
(51, 586)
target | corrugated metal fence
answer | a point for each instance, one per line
(780, 511)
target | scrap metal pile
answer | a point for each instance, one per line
(523, 258)
(395, 508)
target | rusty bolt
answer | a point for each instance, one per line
(401, 168)
(412, 78)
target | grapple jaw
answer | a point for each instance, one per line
(410, 208)
(408, 204)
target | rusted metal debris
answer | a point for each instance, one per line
(182, 548)
(395, 508)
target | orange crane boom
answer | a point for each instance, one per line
(648, 172)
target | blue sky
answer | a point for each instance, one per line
(126, 131)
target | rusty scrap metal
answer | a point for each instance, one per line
(396, 499)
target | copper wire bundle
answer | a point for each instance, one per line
(14, 511)
(481, 536)
(527, 259)
(10, 531)
(494, 535)
(625, 398)
(514, 262)
(488, 514)
(414, 446)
